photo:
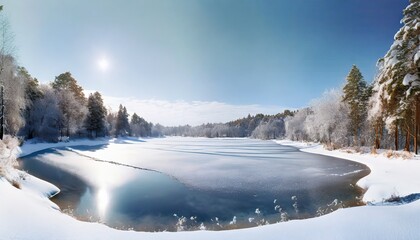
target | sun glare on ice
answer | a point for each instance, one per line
(102, 199)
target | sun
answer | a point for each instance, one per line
(103, 64)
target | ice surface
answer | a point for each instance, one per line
(230, 164)
(22, 216)
(388, 177)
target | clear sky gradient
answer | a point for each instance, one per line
(239, 52)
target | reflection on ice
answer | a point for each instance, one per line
(102, 200)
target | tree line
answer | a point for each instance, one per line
(258, 126)
(60, 109)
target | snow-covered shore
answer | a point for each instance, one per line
(29, 148)
(28, 214)
(389, 177)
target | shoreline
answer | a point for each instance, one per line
(28, 212)
(389, 178)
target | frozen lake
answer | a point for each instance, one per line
(187, 183)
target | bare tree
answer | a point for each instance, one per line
(6, 51)
(13, 97)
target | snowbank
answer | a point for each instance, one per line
(32, 147)
(389, 177)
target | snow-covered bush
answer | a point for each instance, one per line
(295, 129)
(329, 119)
(46, 115)
(273, 129)
(9, 150)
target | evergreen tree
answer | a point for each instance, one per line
(356, 95)
(397, 86)
(95, 119)
(111, 119)
(65, 81)
(140, 127)
(32, 94)
(122, 126)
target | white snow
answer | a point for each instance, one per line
(417, 55)
(31, 147)
(26, 215)
(409, 78)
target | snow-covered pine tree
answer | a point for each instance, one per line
(66, 81)
(95, 119)
(140, 127)
(355, 95)
(135, 125)
(397, 85)
(122, 126)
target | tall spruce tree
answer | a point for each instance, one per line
(66, 81)
(356, 95)
(122, 126)
(95, 119)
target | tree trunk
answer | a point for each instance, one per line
(377, 135)
(416, 124)
(396, 135)
(2, 113)
(407, 140)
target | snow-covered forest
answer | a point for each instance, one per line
(259, 126)
(384, 114)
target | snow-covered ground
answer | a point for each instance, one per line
(27, 214)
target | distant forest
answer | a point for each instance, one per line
(258, 126)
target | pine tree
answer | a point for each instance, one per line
(140, 127)
(95, 119)
(397, 86)
(65, 81)
(32, 94)
(355, 95)
(122, 126)
(136, 125)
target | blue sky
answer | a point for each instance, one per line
(263, 53)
